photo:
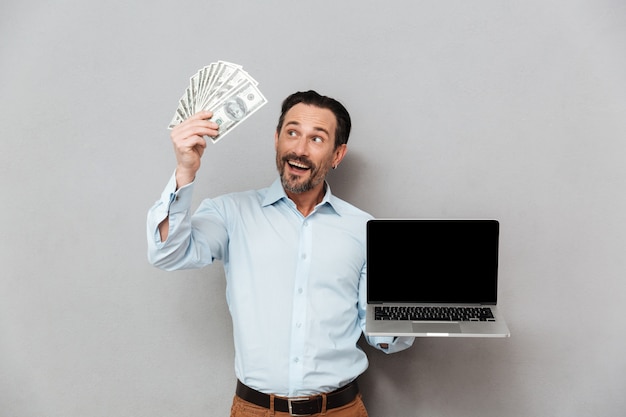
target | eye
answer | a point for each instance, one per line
(318, 139)
(291, 133)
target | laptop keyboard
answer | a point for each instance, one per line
(433, 313)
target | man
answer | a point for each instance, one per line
(295, 261)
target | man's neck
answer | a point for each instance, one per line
(306, 201)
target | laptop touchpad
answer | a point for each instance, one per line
(436, 327)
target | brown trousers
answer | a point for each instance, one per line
(243, 408)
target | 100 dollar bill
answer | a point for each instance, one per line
(236, 107)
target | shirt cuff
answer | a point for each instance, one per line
(177, 201)
(395, 344)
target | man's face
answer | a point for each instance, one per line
(305, 147)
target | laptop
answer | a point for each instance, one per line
(433, 278)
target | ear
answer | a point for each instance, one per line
(340, 153)
(276, 140)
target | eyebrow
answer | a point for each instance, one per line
(319, 129)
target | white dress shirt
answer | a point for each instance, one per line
(295, 285)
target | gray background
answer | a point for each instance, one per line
(509, 110)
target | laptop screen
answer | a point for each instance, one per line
(432, 261)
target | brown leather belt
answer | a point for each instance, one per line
(300, 406)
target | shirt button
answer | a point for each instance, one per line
(296, 360)
(299, 290)
(305, 224)
(304, 256)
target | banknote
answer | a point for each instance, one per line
(224, 88)
(236, 106)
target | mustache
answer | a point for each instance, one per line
(301, 159)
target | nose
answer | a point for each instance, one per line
(301, 146)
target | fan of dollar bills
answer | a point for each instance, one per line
(225, 89)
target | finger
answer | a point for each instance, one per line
(196, 127)
(192, 143)
(202, 114)
(191, 147)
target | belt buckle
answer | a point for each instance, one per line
(290, 401)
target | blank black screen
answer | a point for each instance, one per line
(449, 261)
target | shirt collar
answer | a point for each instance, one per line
(276, 192)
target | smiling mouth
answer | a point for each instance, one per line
(298, 165)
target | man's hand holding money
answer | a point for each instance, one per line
(225, 89)
(189, 144)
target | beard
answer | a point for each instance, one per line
(296, 183)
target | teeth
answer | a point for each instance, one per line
(299, 165)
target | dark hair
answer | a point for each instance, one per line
(312, 98)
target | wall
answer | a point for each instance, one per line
(509, 110)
